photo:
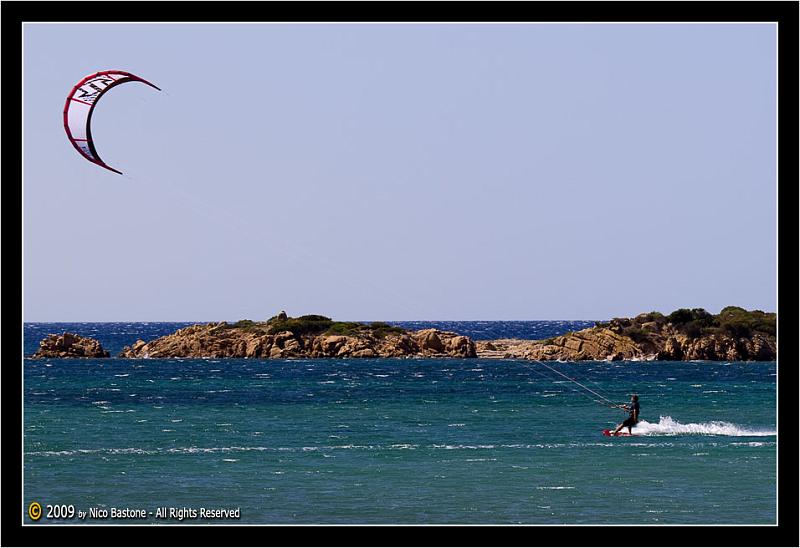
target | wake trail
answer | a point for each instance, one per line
(667, 426)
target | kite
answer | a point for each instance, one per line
(80, 105)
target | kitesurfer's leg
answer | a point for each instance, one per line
(626, 422)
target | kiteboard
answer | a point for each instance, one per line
(608, 433)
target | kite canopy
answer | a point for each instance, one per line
(80, 105)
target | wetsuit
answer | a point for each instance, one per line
(634, 413)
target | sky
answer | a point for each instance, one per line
(402, 171)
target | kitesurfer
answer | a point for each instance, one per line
(633, 418)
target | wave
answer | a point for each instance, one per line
(667, 426)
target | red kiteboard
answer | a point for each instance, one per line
(607, 432)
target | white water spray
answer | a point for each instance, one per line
(667, 426)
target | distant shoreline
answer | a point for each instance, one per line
(734, 334)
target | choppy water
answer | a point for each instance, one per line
(400, 441)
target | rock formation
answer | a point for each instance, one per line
(304, 337)
(589, 344)
(70, 345)
(733, 335)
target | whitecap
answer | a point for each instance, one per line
(752, 444)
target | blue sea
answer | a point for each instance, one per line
(391, 441)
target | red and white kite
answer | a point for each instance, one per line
(80, 105)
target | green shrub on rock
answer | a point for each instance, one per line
(739, 322)
(304, 325)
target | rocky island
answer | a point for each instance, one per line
(69, 345)
(304, 337)
(734, 334)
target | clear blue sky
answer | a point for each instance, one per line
(402, 172)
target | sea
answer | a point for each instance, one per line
(393, 441)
